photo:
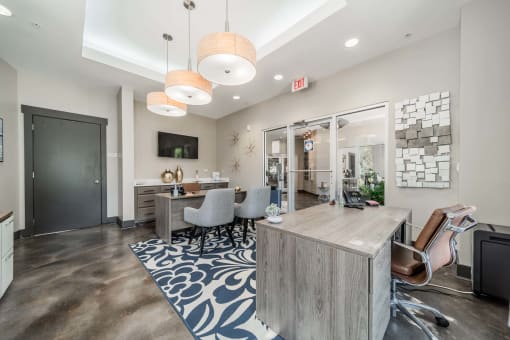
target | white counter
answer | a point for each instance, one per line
(157, 181)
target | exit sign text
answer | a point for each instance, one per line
(299, 84)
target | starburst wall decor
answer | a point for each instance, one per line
(234, 138)
(250, 149)
(236, 164)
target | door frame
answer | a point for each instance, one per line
(29, 112)
(335, 180)
(291, 192)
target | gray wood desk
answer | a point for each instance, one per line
(325, 272)
(170, 211)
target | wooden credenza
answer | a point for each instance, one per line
(145, 202)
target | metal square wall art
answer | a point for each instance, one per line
(423, 141)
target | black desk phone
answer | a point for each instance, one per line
(353, 199)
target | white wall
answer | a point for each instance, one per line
(126, 138)
(485, 120)
(147, 124)
(9, 168)
(50, 91)
(428, 66)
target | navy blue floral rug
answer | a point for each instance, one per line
(214, 294)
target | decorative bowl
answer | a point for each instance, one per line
(274, 219)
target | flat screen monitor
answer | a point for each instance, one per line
(177, 146)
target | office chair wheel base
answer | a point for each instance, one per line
(442, 322)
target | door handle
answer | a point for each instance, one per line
(96, 181)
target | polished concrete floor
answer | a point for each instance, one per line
(87, 284)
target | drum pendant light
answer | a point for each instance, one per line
(227, 58)
(159, 103)
(185, 85)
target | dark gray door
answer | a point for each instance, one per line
(67, 174)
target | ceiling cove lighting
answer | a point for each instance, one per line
(5, 11)
(278, 77)
(352, 42)
(159, 103)
(187, 86)
(227, 58)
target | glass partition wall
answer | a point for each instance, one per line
(305, 168)
(276, 165)
(361, 153)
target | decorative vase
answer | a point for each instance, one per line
(167, 176)
(179, 175)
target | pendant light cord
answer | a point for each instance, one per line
(227, 25)
(189, 39)
(166, 55)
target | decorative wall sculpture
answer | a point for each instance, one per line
(423, 141)
(250, 148)
(234, 138)
(236, 164)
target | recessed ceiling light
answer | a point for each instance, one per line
(236, 97)
(5, 11)
(351, 42)
(278, 77)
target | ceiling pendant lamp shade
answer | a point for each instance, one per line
(227, 58)
(188, 87)
(159, 103)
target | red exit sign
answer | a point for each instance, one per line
(299, 84)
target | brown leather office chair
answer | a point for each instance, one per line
(433, 249)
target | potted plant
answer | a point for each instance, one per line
(273, 213)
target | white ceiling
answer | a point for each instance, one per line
(114, 42)
(131, 31)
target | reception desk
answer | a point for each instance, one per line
(170, 211)
(325, 272)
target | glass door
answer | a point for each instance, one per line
(276, 166)
(311, 175)
(361, 153)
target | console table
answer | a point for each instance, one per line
(325, 272)
(145, 207)
(170, 211)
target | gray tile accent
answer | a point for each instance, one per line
(445, 140)
(427, 132)
(411, 134)
(431, 150)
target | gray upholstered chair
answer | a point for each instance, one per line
(254, 206)
(217, 210)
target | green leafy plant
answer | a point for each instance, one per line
(273, 210)
(372, 188)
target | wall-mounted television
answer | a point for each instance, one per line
(177, 146)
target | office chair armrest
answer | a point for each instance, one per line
(422, 254)
(467, 223)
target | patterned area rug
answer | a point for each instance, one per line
(214, 294)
